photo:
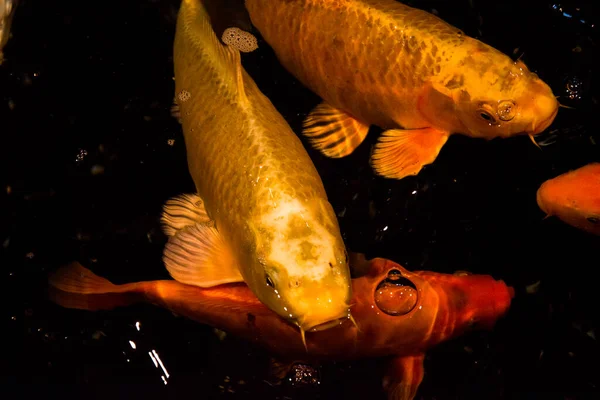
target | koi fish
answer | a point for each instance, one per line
(399, 314)
(574, 197)
(7, 12)
(260, 214)
(380, 62)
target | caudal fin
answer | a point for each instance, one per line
(74, 286)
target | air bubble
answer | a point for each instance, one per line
(239, 39)
(574, 88)
(396, 295)
(184, 96)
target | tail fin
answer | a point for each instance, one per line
(74, 286)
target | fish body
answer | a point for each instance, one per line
(380, 62)
(398, 313)
(7, 12)
(260, 214)
(574, 197)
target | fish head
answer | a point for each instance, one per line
(492, 96)
(574, 197)
(550, 196)
(469, 301)
(311, 296)
(314, 303)
(304, 265)
(416, 310)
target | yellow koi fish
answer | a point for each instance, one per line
(380, 62)
(261, 214)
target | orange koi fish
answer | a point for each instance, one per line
(399, 314)
(574, 197)
(380, 62)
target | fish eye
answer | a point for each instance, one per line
(396, 295)
(270, 281)
(594, 220)
(506, 110)
(487, 116)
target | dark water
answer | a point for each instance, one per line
(90, 153)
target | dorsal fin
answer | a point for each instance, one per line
(201, 60)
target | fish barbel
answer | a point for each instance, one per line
(260, 214)
(399, 314)
(380, 62)
(574, 197)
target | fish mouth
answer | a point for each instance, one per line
(328, 324)
(544, 124)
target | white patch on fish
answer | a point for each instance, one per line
(288, 251)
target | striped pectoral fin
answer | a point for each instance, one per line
(403, 377)
(399, 153)
(182, 211)
(334, 132)
(197, 255)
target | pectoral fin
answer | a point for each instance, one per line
(333, 132)
(197, 255)
(181, 211)
(403, 377)
(400, 153)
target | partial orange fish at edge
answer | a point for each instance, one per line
(574, 197)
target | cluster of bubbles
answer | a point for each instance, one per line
(239, 39)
